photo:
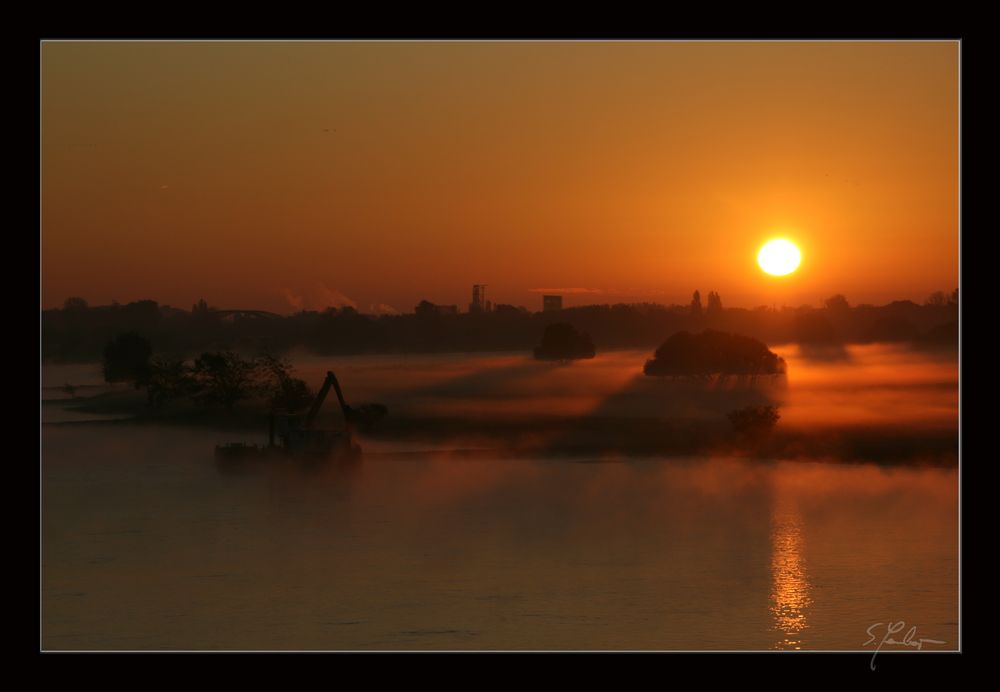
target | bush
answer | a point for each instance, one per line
(169, 379)
(274, 382)
(223, 378)
(754, 420)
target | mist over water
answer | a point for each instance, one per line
(865, 384)
(872, 384)
(147, 545)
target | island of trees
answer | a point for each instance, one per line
(221, 378)
(713, 353)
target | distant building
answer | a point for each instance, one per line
(505, 309)
(428, 309)
(479, 302)
(551, 303)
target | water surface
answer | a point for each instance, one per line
(146, 545)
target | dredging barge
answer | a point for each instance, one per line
(294, 435)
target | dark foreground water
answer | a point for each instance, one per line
(146, 545)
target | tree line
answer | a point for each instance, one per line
(78, 332)
(221, 378)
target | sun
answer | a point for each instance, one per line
(779, 257)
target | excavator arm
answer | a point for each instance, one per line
(331, 381)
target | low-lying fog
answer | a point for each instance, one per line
(867, 384)
(863, 384)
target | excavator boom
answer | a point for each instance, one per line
(298, 436)
(331, 381)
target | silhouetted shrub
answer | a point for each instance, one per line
(74, 303)
(938, 298)
(273, 381)
(754, 420)
(289, 394)
(169, 379)
(837, 303)
(713, 353)
(563, 342)
(223, 378)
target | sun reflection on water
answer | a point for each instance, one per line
(790, 587)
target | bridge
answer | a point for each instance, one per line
(233, 314)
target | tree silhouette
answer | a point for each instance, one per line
(275, 383)
(223, 378)
(126, 359)
(714, 304)
(837, 302)
(937, 299)
(696, 304)
(169, 379)
(75, 304)
(753, 421)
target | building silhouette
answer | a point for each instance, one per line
(551, 303)
(427, 309)
(479, 302)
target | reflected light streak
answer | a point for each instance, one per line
(790, 587)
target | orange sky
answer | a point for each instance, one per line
(266, 175)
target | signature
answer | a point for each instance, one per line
(909, 639)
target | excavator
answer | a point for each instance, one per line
(295, 434)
